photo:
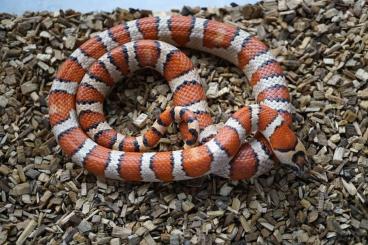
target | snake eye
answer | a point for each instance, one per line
(301, 163)
(299, 158)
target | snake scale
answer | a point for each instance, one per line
(84, 80)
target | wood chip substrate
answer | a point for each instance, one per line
(323, 48)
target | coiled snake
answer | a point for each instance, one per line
(86, 77)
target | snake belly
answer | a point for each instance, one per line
(225, 154)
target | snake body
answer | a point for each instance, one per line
(86, 77)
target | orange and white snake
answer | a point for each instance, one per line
(88, 75)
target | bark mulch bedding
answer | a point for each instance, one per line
(45, 198)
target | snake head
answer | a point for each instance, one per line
(297, 159)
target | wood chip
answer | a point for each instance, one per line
(27, 231)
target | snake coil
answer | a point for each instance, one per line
(88, 75)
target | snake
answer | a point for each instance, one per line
(83, 81)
